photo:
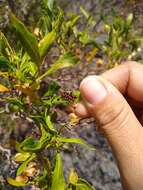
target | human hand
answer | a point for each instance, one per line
(115, 100)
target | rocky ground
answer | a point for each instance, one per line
(99, 166)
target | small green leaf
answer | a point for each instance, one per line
(66, 60)
(73, 177)
(51, 4)
(3, 89)
(74, 140)
(5, 47)
(53, 88)
(29, 144)
(83, 185)
(22, 167)
(49, 123)
(13, 182)
(21, 157)
(84, 12)
(58, 180)
(129, 20)
(73, 21)
(32, 145)
(46, 42)
(86, 39)
(27, 39)
(4, 64)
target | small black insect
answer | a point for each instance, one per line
(68, 95)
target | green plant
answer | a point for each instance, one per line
(118, 40)
(121, 40)
(21, 72)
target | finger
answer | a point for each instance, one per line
(118, 122)
(127, 78)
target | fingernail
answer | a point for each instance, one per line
(93, 90)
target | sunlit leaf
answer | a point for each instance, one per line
(51, 4)
(27, 39)
(23, 166)
(5, 47)
(46, 42)
(3, 88)
(66, 60)
(13, 182)
(20, 157)
(73, 177)
(84, 12)
(73, 21)
(30, 144)
(76, 141)
(129, 19)
(49, 123)
(58, 180)
(83, 185)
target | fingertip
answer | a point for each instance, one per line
(81, 111)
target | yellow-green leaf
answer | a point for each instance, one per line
(13, 182)
(46, 42)
(21, 157)
(66, 60)
(27, 39)
(3, 88)
(73, 177)
(58, 180)
(83, 185)
(24, 164)
(75, 140)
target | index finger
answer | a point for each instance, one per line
(128, 79)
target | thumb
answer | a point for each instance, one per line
(119, 124)
(110, 109)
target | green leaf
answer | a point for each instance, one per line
(27, 39)
(46, 42)
(129, 20)
(74, 140)
(49, 123)
(84, 12)
(86, 39)
(22, 167)
(14, 101)
(21, 157)
(73, 177)
(66, 60)
(51, 4)
(53, 89)
(30, 144)
(3, 89)
(45, 24)
(27, 69)
(58, 180)
(73, 21)
(13, 182)
(5, 47)
(4, 63)
(83, 185)
(55, 100)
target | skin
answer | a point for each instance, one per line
(119, 111)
